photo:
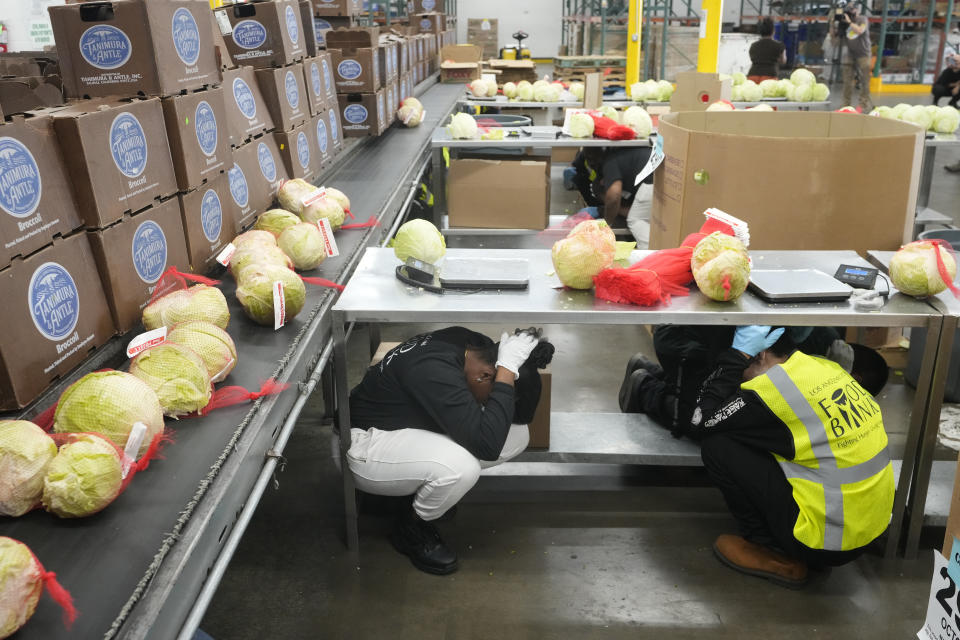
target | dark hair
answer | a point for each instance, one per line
(487, 352)
(869, 368)
(765, 27)
(464, 338)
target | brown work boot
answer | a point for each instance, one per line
(756, 560)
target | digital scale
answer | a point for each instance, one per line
(465, 274)
(811, 285)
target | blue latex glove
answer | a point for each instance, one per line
(753, 339)
(593, 212)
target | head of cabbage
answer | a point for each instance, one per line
(577, 89)
(510, 89)
(821, 92)
(214, 346)
(419, 239)
(199, 302)
(739, 77)
(639, 92)
(263, 253)
(721, 267)
(25, 452)
(462, 126)
(760, 107)
(946, 120)
(84, 477)
(917, 115)
(491, 87)
(478, 88)
(546, 93)
(783, 86)
(20, 585)
(109, 403)
(339, 197)
(770, 88)
(581, 125)
(899, 109)
(177, 375)
(524, 91)
(721, 105)
(803, 92)
(255, 292)
(639, 120)
(324, 208)
(276, 220)
(610, 112)
(751, 91)
(254, 237)
(802, 77)
(290, 195)
(410, 116)
(914, 269)
(589, 248)
(883, 112)
(303, 243)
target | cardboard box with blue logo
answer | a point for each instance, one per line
(247, 113)
(263, 33)
(362, 114)
(432, 23)
(314, 85)
(209, 222)
(285, 96)
(299, 151)
(133, 253)
(337, 7)
(322, 24)
(55, 315)
(320, 130)
(134, 47)
(263, 170)
(355, 58)
(199, 136)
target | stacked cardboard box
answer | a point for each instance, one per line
(483, 33)
(360, 73)
(332, 14)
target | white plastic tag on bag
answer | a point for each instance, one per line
(279, 306)
(329, 242)
(317, 194)
(146, 340)
(132, 448)
(224, 256)
(656, 159)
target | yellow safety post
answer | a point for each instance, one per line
(635, 20)
(709, 50)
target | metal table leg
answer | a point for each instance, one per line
(921, 480)
(439, 186)
(373, 330)
(926, 176)
(914, 436)
(343, 421)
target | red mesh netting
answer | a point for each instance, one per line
(371, 222)
(56, 591)
(609, 129)
(229, 396)
(174, 280)
(322, 282)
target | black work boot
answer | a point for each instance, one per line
(630, 389)
(421, 542)
(637, 362)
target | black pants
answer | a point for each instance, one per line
(670, 399)
(941, 91)
(761, 499)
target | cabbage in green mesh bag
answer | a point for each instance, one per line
(589, 248)
(199, 302)
(25, 452)
(177, 375)
(275, 221)
(214, 346)
(721, 267)
(110, 403)
(84, 477)
(303, 243)
(258, 254)
(255, 292)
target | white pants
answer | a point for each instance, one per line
(415, 461)
(638, 218)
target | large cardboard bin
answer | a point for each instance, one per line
(499, 193)
(461, 63)
(801, 180)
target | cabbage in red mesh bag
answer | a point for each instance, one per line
(25, 453)
(177, 375)
(22, 581)
(173, 302)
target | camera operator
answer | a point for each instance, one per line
(854, 30)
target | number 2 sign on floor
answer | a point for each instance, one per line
(943, 610)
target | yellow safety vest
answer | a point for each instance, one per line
(841, 474)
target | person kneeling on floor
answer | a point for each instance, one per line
(799, 451)
(429, 416)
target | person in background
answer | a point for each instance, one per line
(799, 451)
(618, 169)
(948, 82)
(581, 176)
(854, 30)
(429, 416)
(766, 54)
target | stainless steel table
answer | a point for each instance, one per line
(373, 295)
(501, 102)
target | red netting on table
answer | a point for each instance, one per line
(609, 129)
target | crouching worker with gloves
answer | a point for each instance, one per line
(434, 412)
(798, 449)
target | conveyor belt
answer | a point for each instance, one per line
(135, 569)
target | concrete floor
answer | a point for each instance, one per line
(624, 554)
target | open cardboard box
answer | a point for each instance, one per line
(22, 94)
(801, 180)
(499, 193)
(696, 91)
(460, 63)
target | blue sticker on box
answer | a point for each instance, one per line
(327, 78)
(249, 34)
(355, 113)
(149, 249)
(54, 301)
(425, 24)
(293, 29)
(20, 182)
(211, 215)
(319, 26)
(349, 69)
(303, 149)
(315, 80)
(292, 90)
(105, 47)
(238, 186)
(128, 145)
(186, 36)
(429, 5)
(268, 167)
(334, 130)
(322, 135)
(244, 98)
(205, 125)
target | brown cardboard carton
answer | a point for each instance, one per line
(388, 60)
(432, 23)
(483, 33)
(499, 193)
(361, 114)
(510, 70)
(326, 23)
(329, 83)
(354, 56)
(309, 28)
(461, 63)
(299, 152)
(36, 201)
(244, 211)
(282, 90)
(134, 47)
(209, 223)
(199, 136)
(247, 113)
(132, 255)
(335, 129)
(263, 33)
(391, 103)
(320, 129)
(19, 95)
(403, 66)
(953, 519)
(540, 425)
(334, 7)
(313, 83)
(422, 6)
(263, 169)
(55, 314)
(696, 91)
(117, 155)
(802, 180)
(224, 61)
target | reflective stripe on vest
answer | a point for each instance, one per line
(828, 475)
(593, 174)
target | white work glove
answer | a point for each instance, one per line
(514, 351)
